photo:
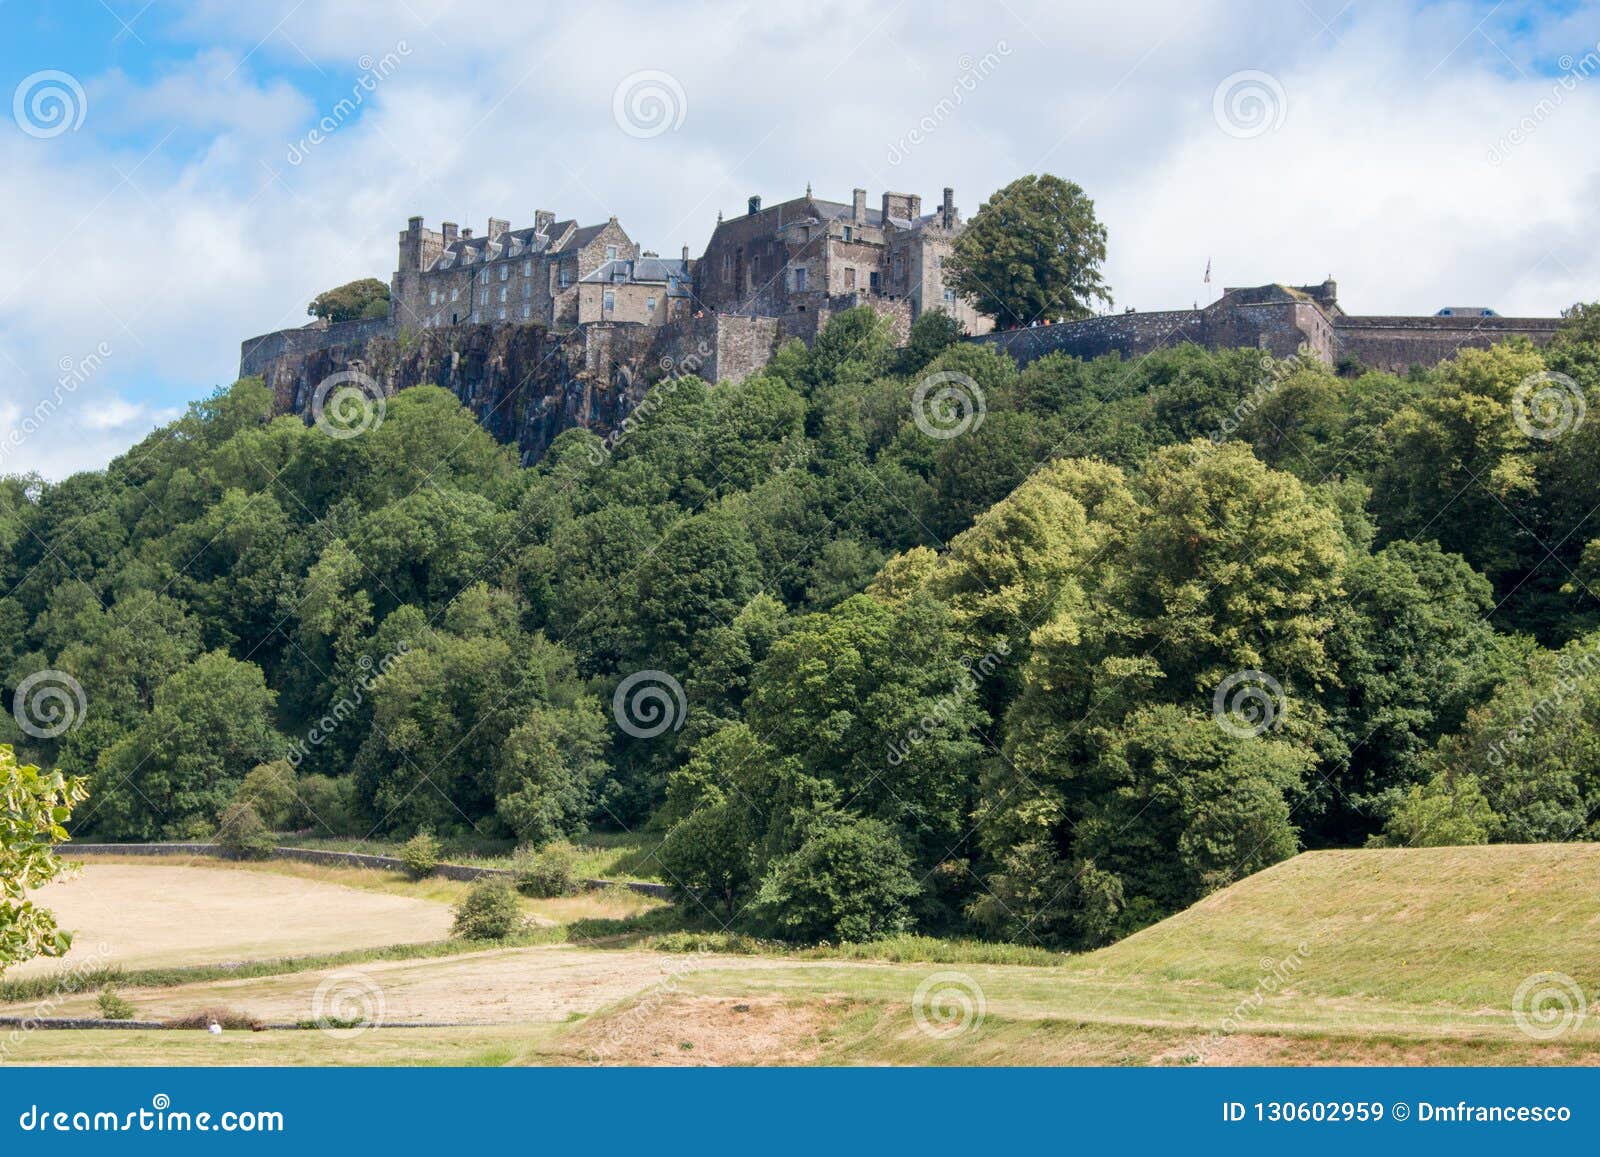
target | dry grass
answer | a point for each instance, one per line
(1361, 957)
(155, 914)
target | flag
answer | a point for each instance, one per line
(1208, 271)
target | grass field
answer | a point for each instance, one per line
(1393, 957)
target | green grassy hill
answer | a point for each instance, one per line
(1418, 925)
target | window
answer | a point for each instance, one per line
(502, 295)
(474, 317)
(608, 301)
(873, 281)
(433, 297)
(727, 265)
(502, 313)
(455, 292)
(483, 297)
(527, 290)
(483, 277)
(566, 276)
(849, 233)
(650, 304)
(527, 269)
(611, 252)
(505, 272)
(800, 280)
(949, 297)
(527, 312)
(849, 278)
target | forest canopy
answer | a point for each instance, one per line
(863, 662)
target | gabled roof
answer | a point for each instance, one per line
(674, 274)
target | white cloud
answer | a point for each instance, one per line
(1379, 173)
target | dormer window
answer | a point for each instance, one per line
(849, 233)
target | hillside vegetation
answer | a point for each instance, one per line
(878, 641)
(1402, 956)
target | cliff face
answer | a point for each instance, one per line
(525, 384)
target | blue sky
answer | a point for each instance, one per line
(1423, 154)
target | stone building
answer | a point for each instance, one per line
(646, 290)
(809, 255)
(530, 275)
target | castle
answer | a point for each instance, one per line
(608, 317)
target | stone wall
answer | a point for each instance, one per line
(1398, 343)
(257, 354)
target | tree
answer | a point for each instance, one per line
(352, 301)
(851, 880)
(33, 820)
(211, 724)
(1033, 250)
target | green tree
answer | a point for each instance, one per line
(1033, 250)
(37, 806)
(365, 298)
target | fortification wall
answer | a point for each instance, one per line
(257, 354)
(1128, 334)
(1398, 343)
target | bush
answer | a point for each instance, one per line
(488, 912)
(849, 881)
(114, 1007)
(240, 831)
(270, 789)
(421, 855)
(547, 871)
(326, 805)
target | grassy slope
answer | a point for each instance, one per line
(1406, 956)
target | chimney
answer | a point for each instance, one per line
(449, 228)
(414, 224)
(948, 212)
(755, 205)
(466, 235)
(686, 253)
(542, 220)
(497, 226)
(914, 205)
(858, 206)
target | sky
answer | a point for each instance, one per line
(179, 175)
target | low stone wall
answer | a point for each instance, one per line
(463, 872)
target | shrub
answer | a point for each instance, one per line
(240, 831)
(547, 871)
(114, 1007)
(421, 855)
(488, 912)
(326, 805)
(851, 880)
(270, 789)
